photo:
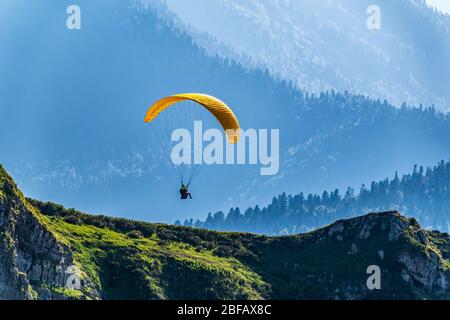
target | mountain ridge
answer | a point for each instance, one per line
(123, 259)
(423, 194)
(106, 159)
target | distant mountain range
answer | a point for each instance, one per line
(49, 252)
(321, 45)
(424, 194)
(73, 131)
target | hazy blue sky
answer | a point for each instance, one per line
(442, 5)
(75, 101)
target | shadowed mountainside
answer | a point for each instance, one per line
(313, 43)
(105, 159)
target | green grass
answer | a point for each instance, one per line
(168, 262)
(69, 294)
(124, 259)
(153, 264)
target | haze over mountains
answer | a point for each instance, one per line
(72, 105)
(326, 44)
(423, 194)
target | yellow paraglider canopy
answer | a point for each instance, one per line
(218, 108)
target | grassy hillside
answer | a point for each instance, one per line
(123, 259)
(176, 262)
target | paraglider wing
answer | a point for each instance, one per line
(218, 108)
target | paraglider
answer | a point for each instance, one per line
(184, 191)
(218, 108)
(221, 112)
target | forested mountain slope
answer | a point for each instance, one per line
(321, 45)
(74, 107)
(423, 194)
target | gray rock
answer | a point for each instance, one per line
(32, 260)
(442, 280)
(353, 249)
(422, 269)
(405, 276)
(336, 228)
(394, 232)
(422, 237)
(364, 233)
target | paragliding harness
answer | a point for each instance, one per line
(184, 191)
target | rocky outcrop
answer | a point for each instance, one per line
(33, 263)
(334, 262)
(401, 247)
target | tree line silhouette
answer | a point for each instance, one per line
(423, 194)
